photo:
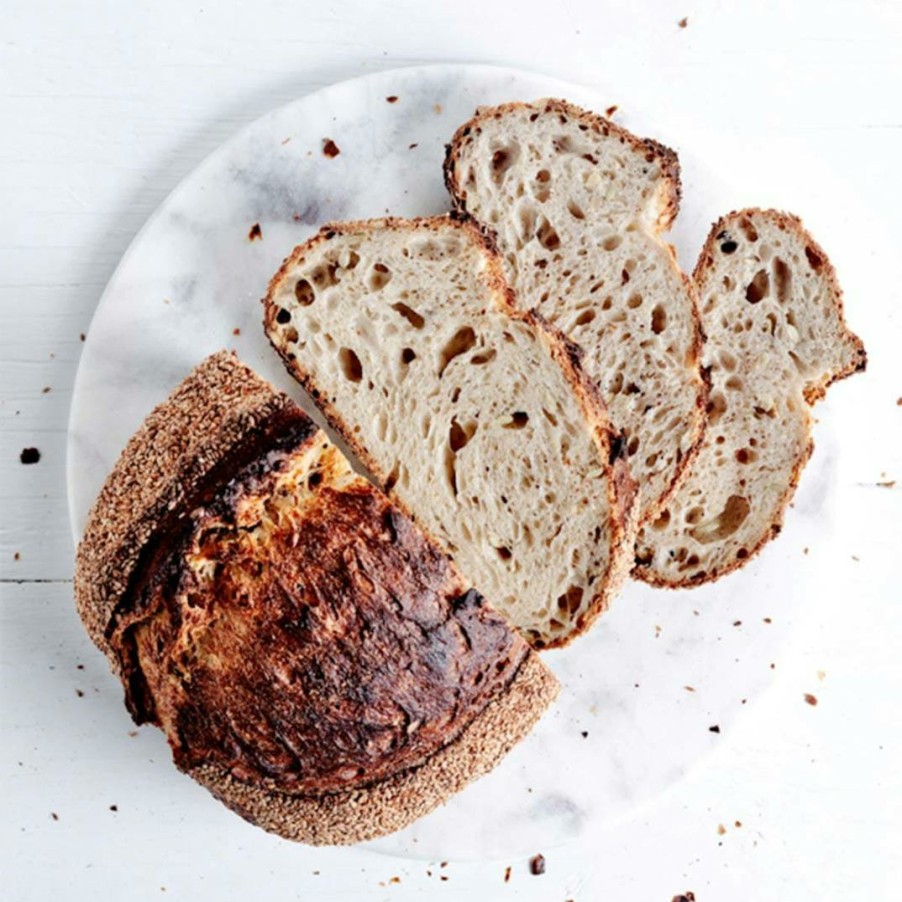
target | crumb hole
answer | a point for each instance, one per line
(350, 365)
(658, 319)
(409, 314)
(304, 292)
(758, 288)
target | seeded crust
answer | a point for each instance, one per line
(220, 416)
(343, 818)
(162, 466)
(668, 200)
(622, 490)
(649, 567)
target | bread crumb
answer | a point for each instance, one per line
(721, 829)
(689, 688)
(898, 402)
(688, 896)
(437, 109)
(330, 148)
(46, 389)
(79, 666)
(805, 550)
(29, 455)
(611, 110)
(507, 874)
(236, 331)
(714, 729)
(392, 98)
(443, 877)
(856, 558)
(79, 693)
(768, 620)
(821, 674)
(737, 823)
(884, 485)
(81, 336)
(657, 631)
(54, 815)
(17, 556)
(395, 880)
(811, 699)
(585, 734)
(114, 807)
(256, 233)
(737, 623)
(411, 146)
(286, 140)
(537, 865)
(683, 22)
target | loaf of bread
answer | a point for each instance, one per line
(314, 660)
(576, 205)
(475, 418)
(776, 338)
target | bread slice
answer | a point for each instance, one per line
(473, 417)
(776, 338)
(576, 205)
(313, 659)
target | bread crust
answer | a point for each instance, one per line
(669, 203)
(622, 489)
(363, 814)
(167, 467)
(165, 463)
(858, 363)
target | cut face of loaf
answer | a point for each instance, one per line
(575, 204)
(772, 312)
(472, 416)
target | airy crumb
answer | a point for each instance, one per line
(537, 865)
(330, 148)
(256, 233)
(811, 699)
(683, 22)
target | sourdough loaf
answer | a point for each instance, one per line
(474, 417)
(313, 658)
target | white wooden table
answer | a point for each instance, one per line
(105, 106)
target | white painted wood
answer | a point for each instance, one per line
(106, 106)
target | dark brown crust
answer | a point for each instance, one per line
(650, 149)
(363, 814)
(622, 491)
(670, 175)
(165, 463)
(164, 467)
(792, 223)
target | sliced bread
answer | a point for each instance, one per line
(776, 338)
(576, 205)
(312, 657)
(474, 417)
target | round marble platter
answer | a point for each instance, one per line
(658, 681)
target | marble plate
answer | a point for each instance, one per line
(646, 692)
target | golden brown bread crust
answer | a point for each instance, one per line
(305, 635)
(671, 188)
(858, 363)
(224, 418)
(622, 489)
(363, 814)
(164, 464)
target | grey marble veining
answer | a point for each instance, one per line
(626, 725)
